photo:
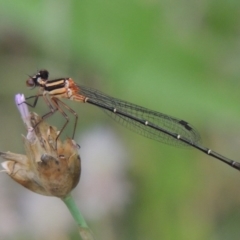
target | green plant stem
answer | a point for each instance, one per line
(84, 231)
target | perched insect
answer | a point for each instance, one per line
(148, 123)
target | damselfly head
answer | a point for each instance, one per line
(38, 80)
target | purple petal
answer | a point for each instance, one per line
(23, 109)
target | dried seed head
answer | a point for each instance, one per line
(44, 169)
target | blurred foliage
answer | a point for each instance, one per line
(178, 57)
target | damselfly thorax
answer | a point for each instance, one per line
(60, 88)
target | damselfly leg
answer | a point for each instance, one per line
(54, 105)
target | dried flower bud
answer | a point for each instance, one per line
(44, 169)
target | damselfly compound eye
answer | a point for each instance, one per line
(43, 74)
(30, 82)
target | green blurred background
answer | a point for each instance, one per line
(177, 57)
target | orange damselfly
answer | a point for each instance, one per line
(151, 124)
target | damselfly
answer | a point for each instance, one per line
(151, 124)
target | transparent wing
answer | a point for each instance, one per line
(166, 122)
